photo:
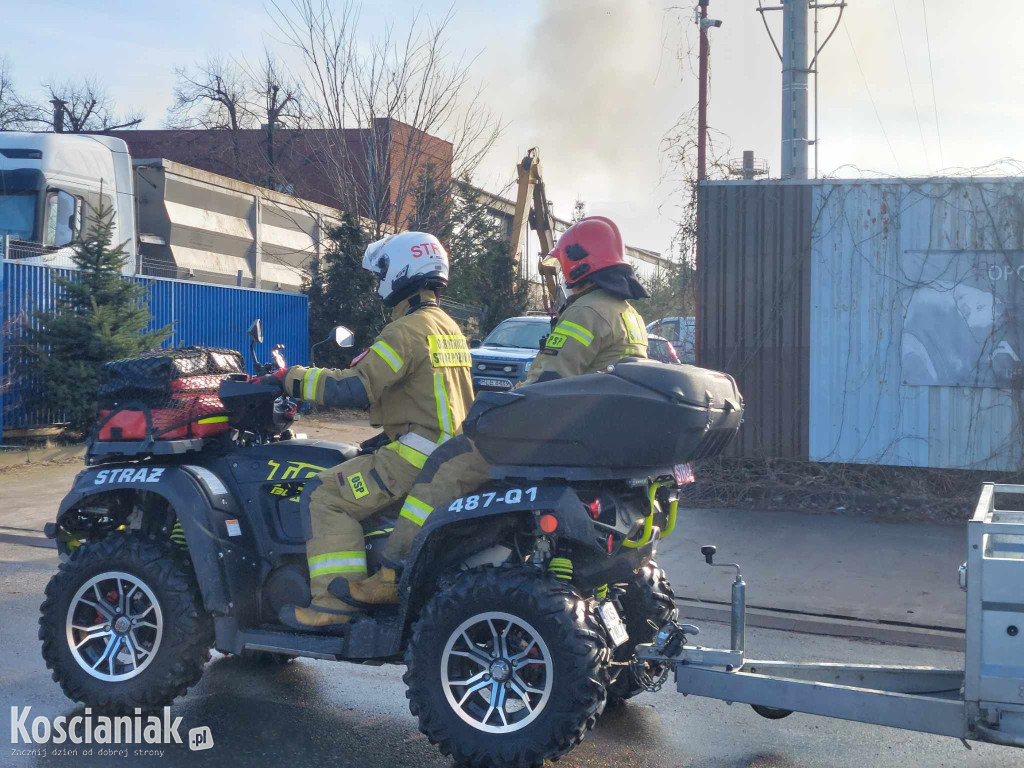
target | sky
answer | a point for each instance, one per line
(597, 84)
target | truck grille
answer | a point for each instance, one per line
(496, 368)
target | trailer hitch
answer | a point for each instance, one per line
(667, 643)
(670, 646)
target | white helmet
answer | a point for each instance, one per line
(405, 262)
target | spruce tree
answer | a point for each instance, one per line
(99, 316)
(483, 274)
(672, 293)
(341, 292)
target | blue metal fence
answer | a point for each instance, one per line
(201, 314)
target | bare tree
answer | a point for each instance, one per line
(235, 97)
(213, 95)
(72, 106)
(679, 145)
(379, 86)
(80, 106)
(279, 101)
(14, 114)
(579, 210)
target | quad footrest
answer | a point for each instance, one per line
(276, 639)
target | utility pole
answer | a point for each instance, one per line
(702, 94)
(703, 24)
(795, 70)
(794, 89)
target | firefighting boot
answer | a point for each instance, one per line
(379, 589)
(324, 614)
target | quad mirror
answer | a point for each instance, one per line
(343, 337)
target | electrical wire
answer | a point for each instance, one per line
(761, 9)
(867, 87)
(931, 71)
(814, 62)
(910, 82)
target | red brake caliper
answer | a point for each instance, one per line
(531, 675)
(111, 597)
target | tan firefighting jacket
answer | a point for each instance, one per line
(416, 375)
(593, 330)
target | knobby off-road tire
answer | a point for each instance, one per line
(648, 597)
(546, 639)
(145, 574)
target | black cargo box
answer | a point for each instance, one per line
(640, 414)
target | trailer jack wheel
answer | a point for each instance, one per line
(771, 713)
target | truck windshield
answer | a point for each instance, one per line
(516, 333)
(17, 215)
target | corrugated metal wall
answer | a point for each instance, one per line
(866, 236)
(202, 314)
(807, 292)
(754, 285)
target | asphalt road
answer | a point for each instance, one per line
(316, 713)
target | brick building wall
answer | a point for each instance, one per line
(308, 163)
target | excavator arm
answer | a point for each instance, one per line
(532, 205)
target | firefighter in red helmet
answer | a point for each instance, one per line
(596, 327)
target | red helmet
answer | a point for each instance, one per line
(588, 246)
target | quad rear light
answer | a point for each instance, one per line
(683, 474)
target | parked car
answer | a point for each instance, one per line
(680, 332)
(661, 349)
(504, 358)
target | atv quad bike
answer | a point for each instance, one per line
(517, 602)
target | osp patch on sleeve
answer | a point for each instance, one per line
(358, 485)
(555, 341)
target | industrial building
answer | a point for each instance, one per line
(220, 223)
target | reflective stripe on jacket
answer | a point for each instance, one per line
(416, 375)
(594, 330)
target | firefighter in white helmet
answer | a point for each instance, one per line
(597, 327)
(415, 380)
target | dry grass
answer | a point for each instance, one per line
(895, 493)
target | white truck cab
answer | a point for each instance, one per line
(175, 221)
(51, 184)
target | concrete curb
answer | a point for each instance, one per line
(788, 621)
(41, 456)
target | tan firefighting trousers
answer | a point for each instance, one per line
(454, 469)
(347, 495)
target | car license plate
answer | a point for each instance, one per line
(683, 474)
(498, 383)
(612, 622)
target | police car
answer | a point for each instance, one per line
(504, 358)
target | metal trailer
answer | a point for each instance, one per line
(984, 701)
